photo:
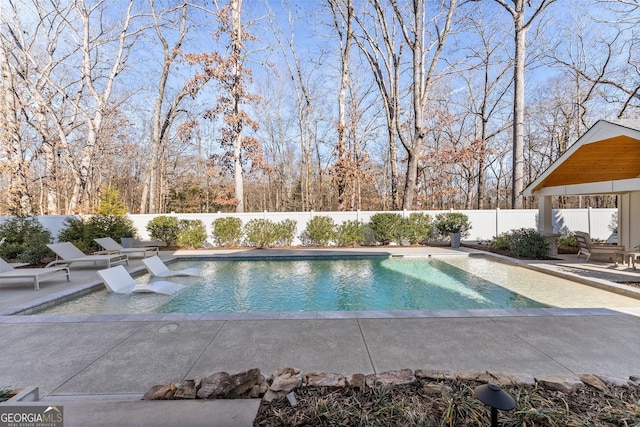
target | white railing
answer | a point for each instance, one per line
(485, 224)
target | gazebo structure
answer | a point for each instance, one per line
(605, 160)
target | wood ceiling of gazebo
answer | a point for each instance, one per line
(607, 160)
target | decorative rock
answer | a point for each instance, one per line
(242, 382)
(434, 374)
(502, 379)
(435, 388)
(357, 381)
(258, 390)
(223, 385)
(187, 389)
(331, 380)
(403, 376)
(612, 381)
(271, 395)
(213, 385)
(149, 394)
(593, 381)
(160, 392)
(286, 379)
(481, 377)
(562, 383)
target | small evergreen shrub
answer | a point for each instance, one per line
(227, 231)
(260, 233)
(111, 204)
(350, 233)
(500, 242)
(452, 222)
(76, 231)
(114, 226)
(81, 232)
(285, 232)
(528, 243)
(25, 239)
(191, 234)
(320, 231)
(165, 228)
(419, 228)
(568, 239)
(387, 227)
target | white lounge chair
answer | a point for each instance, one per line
(117, 279)
(111, 246)
(68, 254)
(36, 274)
(158, 268)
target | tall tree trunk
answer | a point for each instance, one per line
(521, 25)
(236, 51)
(518, 109)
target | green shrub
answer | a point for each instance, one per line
(419, 226)
(320, 231)
(452, 222)
(387, 227)
(111, 204)
(500, 242)
(82, 232)
(191, 233)
(165, 228)
(114, 226)
(350, 233)
(76, 231)
(25, 239)
(285, 232)
(528, 243)
(260, 233)
(568, 239)
(227, 231)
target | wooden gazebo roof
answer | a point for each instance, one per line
(605, 160)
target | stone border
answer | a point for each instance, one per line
(253, 384)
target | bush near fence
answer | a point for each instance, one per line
(486, 224)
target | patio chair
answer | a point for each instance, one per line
(68, 254)
(35, 274)
(588, 248)
(117, 279)
(158, 268)
(111, 246)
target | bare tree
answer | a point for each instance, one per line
(486, 89)
(165, 109)
(425, 55)
(343, 23)
(301, 79)
(378, 42)
(517, 10)
(18, 197)
(81, 70)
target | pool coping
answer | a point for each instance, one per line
(24, 313)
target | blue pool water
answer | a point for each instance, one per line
(312, 285)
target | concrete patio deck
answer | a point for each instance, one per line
(97, 366)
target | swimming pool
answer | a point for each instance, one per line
(380, 284)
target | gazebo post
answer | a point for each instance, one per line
(545, 222)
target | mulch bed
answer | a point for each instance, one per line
(451, 403)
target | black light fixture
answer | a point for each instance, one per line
(496, 398)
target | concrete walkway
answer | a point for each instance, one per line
(97, 367)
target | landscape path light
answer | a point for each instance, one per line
(496, 398)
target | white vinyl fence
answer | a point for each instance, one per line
(485, 224)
